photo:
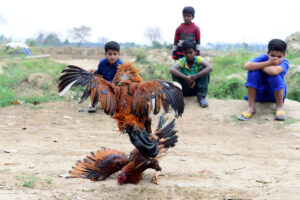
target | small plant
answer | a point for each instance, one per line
(141, 56)
(29, 181)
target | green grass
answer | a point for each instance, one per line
(29, 181)
(154, 71)
(228, 76)
(288, 121)
(15, 74)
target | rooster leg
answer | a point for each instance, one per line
(155, 178)
(152, 136)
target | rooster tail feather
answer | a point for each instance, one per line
(99, 165)
(72, 76)
(167, 132)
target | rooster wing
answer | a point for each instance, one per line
(97, 88)
(99, 165)
(150, 96)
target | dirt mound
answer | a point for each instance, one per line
(40, 79)
(293, 42)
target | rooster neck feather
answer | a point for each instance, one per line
(126, 74)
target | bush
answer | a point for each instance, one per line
(141, 56)
(293, 89)
(232, 88)
(155, 71)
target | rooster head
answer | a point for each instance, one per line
(122, 178)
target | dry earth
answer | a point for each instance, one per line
(217, 157)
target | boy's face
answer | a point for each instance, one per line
(187, 18)
(112, 56)
(276, 56)
(189, 54)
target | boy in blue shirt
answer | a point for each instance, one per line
(265, 79)
(108, 66)
(192, 72)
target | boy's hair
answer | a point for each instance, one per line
(112, 45)
(277, 45)
(188, 44)
(188, 10)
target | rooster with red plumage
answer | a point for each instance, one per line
(129, 100)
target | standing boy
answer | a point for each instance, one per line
(108, 66)
(192, 72)
(186, 31)
(265, 79)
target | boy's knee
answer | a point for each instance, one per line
(254, 75)
(276, 82)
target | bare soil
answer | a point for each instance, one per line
(217, 157)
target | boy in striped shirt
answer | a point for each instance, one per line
(186, 31)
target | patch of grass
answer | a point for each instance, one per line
(232, 88)
(154, 71)
(141, 56)
(16, 72)
(221, 85)
(29, 181)
(286, 122)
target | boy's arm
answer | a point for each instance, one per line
(198, 40)
(251, 66)
(207, 69)
(273, 70)
(175, 45)
(174, 70)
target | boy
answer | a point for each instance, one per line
(186, 31)
(265, 79)
(192, 72)
(108, 66)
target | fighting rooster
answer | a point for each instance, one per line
(128, 99)
(105, 162)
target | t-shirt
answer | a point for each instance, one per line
(185, 32)
(184, 68)
(108, 72)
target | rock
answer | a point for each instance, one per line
(10, 151)
(64, 175)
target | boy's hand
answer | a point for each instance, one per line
(92, 71)
(274, 61)
(190, 82)
(192, 77)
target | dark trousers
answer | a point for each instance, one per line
(200, 88)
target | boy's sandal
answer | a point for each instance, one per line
(244, 116)
(280, 115)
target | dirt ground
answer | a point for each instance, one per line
(217, 157)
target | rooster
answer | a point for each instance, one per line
(129, 100)
(105, 162)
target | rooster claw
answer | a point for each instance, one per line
(155, 178)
